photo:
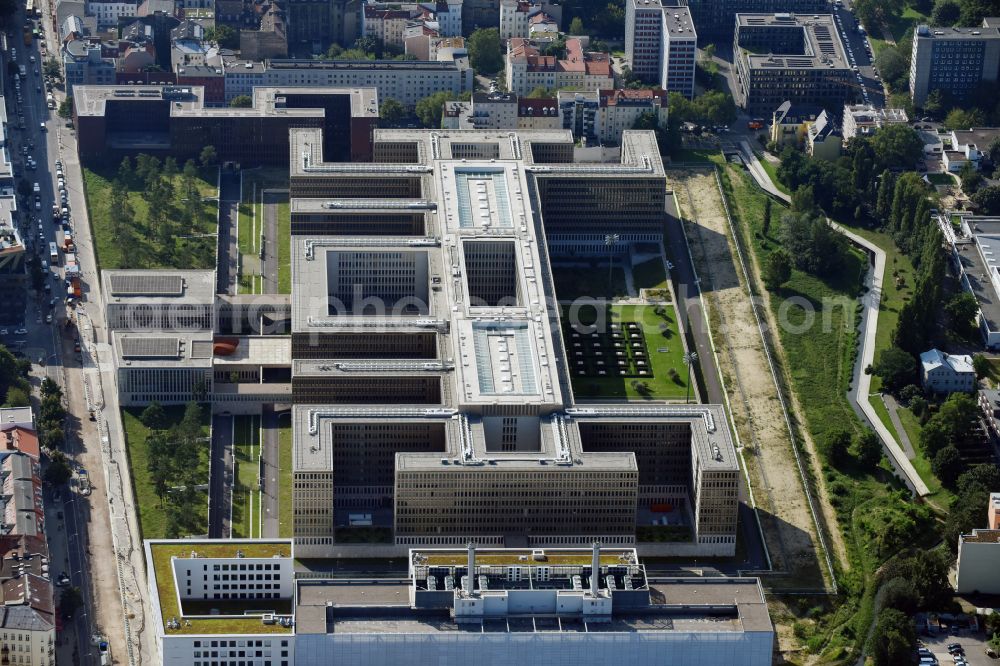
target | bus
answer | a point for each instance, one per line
(54, 254)
(29, 9)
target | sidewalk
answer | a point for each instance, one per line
(893, 407)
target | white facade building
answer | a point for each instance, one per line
(221, 603)
(661, 45)
(979, 555)
(527, 68)
(517, 17)
(405, 81)
(941, 372)
(865, 119)
(108, 13)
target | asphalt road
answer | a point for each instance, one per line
(220, 496)
(856, 43)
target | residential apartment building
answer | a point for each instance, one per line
(941, 372)
(517, 17)
(405, 81)
(108, 13)
(661, 44)
(790, 123)
(385, 23)
(13, 253)
(269, 40)
(979, 555)
(603, 116)
(967, 146)
(497, 110)
(790, 57)
(954, 60)
(321, 22)
(84, 64)
(866, 119)
(528, 69)
(27, 608)
(823, 138)
(427, 377)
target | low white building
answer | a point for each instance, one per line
(865, 119)
(968, 147)
(979, 555)
(941, 372)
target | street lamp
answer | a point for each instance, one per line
(610, 240)
(690, 358)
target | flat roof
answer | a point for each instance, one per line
(158, 287)
(432, 557)
(978, 33)
(822, 45)
(160, 554)
(257, 350)
(979, 273)
(160, 349)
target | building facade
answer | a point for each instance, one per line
(953, 60)
(866, 119)
(941, 372)
(528, 69)
(661, 45)
(979, 555)
(789, 57)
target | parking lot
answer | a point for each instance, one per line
(973, 644)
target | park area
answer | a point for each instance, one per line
(145, 218)
(633, 352)
(264, 196)
(153, 454)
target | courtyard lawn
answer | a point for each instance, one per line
(285, 482)
(650, 274)
(188, 247)
(588, 280)
(251, 216)
(152, 517)
(246, 491)
(284, 248)
(663, 354)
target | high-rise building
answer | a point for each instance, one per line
(714, 18)
(661, 44)
(789, 57)
(429, 372)
(954, 60)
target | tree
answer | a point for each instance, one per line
(576, 27)
(963, 119)
(66, 108)
(927, 573)
(50, 388)
(208, 155)
(868, 449)
(835, 445)
(803, 200)
(430, 108)
(982, 366)
(484, 50)
(58, 471)
(241, 102)
(893, 66)
(947, 466)
(17, 397)
(896, 146)
(53, 437)
(987, 200)
(224, 36)
(952, 423)
(777, 269)
(52, 69)
(765, 226)
(69, 601)
(391, 112)
(153, 417)
(893, 639)
(945, 13)
(962, 309)
(899, 594)
(993, 151)
(970, 177)
(895, 367)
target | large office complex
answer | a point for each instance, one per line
(789, 57)
(406, 81)
(429, 374)
(714, 18)
(116, 120)
(661, 44)
(954, 60)
(236, 602)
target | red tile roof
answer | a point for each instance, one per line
(16, 438)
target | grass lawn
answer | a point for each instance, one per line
(588, 280)
(772, 173)
(284, 248)
(940, 179)
(152, 517)
(246, 492)
(701, 155)
(251, 217)
(659, 384)
(650, 274)
(285, 481)
(939, 494)
(190, 247)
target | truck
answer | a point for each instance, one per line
(67, 243)
(74, 290)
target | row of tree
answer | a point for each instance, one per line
(175, 452)
(14, 386)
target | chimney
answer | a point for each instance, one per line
(595, 569)
(470, 577)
